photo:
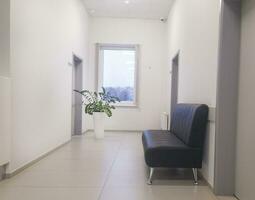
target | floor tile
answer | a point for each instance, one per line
(25, 193)
(93, 146)
(88, 164)
(129, 163)
(108, 169)
(157, 193)
(226, 198)
(58, 179)
(125, 178)
(139, 177)
(67, 154)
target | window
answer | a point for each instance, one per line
(117, 72)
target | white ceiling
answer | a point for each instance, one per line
(145, 9)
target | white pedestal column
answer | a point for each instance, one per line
(99, 118)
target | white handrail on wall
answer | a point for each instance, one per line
(5, 120)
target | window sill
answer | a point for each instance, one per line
(126, 106)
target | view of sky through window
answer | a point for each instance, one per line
(119, 73)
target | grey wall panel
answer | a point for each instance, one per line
(227, 93)
(175, 82)
(5, 38)
(245, 163)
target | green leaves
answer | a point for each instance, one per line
(98, 102)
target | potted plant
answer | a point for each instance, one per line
(98, 104)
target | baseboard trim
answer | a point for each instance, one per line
(2, 172)
(29, 164)
(87, 131)
(207, 183)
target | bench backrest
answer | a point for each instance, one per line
(189, 122)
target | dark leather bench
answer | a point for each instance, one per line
(182, 146)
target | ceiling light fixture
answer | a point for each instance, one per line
(127, 2)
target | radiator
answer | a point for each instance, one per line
(164, 121)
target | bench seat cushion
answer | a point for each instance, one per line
(164, 149)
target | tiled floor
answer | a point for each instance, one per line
(109, 169)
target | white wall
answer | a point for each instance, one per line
(245, 161)
(4, 37)
(151, 36)
(193, 29)
(44, 33)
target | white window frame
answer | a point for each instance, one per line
(100, 68)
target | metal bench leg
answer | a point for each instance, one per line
(150, 177)
(195, 176)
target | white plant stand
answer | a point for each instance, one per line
(99, 118)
